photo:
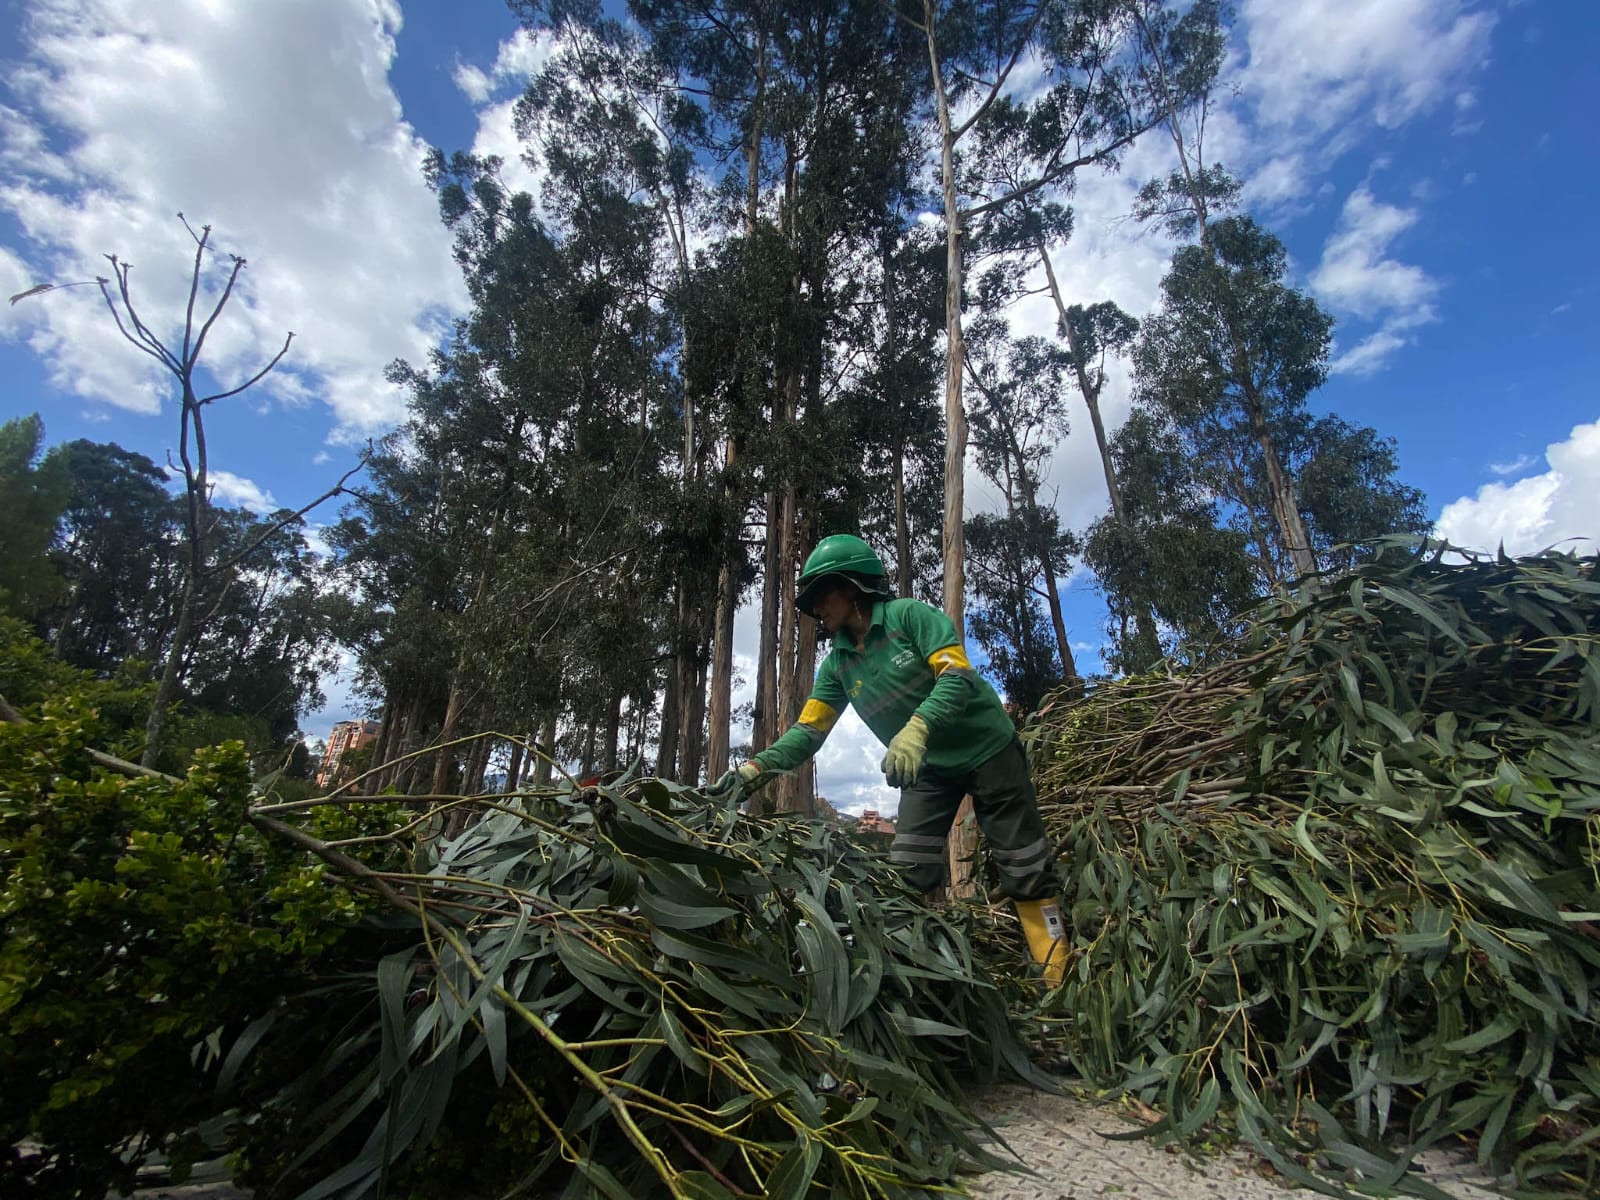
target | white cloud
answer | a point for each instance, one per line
(275, 122)
(1356, 273)
(473, 82)
(496, 137)
(1536, 512)
(1368, 356)
(1515, 467)
(1277, 183)
(520, 57)
(1358, 277)
(1318, 68)
(494, 93)
(341, 703)
(230, 489)
(316, 537)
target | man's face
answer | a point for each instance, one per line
(833, 608)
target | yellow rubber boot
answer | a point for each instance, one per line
(1041, 922)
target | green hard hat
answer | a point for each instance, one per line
(841, 556)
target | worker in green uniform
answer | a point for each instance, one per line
(900, 664)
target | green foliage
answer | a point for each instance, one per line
(629, 988)
(1172, 554)
(1349, 490)
(145, 922)
(118, 548)
(32, 495)
(1341, 890)
(1008, 618)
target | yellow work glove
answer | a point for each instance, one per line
(907, 749)
(740, 775)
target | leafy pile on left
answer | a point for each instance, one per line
(615, 990)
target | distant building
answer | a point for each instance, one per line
(822, 811)
(346, 736)
(871, 822)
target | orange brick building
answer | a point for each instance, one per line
(346, 736)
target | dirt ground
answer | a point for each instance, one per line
(1062, 1140)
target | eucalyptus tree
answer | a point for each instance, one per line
(892, 410)
(607, 109)
(1007, 619)
(540, 419)
(118, 549)
(1001, 147)
(398, 550)
(1171, 558)
(804, 129)
(33, 493)
(1022, 417)
(1232, 354)
(1187, 203)
(1199, 539)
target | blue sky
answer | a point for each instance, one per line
(1431, 165)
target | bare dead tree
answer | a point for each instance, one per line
(199, 523)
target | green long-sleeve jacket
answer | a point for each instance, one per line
(912, 662)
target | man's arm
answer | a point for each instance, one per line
(817, 719)
(954, 682)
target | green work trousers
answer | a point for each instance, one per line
(1008, 814)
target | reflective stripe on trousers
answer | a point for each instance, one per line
(909, 848)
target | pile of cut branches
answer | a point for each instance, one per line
(1342, 889)
(624, 990)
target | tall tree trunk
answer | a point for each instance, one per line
(797, 662)
(586, 768)
(692, 727)
(1281, 495)
(514, 767)
(803, 788)
(387, 739)
(1087, 385)
(721, 701)
(667, 744)
(788, 616)
(608, 761)
(1285, 507)
(954, 542)
(445, 760)
(1052, 594)
(897, 403)
(543, 771)
(155, 726)
(1090, 387)
(416, 721)
(902, 528)
(765, 727)
(477, 766)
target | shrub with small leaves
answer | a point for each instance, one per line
(144, 922)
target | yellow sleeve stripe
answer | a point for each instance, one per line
(951, 658)
(819, 716)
